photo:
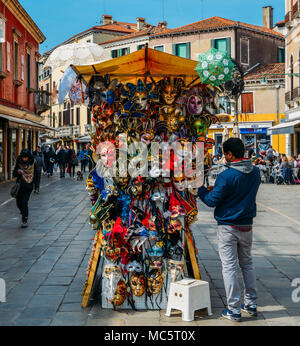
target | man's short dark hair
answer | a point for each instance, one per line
(236, 146)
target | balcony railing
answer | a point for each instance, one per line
(296, 93)
(42, 101)
(68, 131)
(288, 96)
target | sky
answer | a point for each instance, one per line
(61, 19)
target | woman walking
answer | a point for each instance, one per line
(24, 171)
(72, 161)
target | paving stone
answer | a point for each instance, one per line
(69, 319)
(52, 290)
(58, 281)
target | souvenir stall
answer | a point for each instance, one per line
(142, 220)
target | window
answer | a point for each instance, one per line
(78, 116)
(247, 103)
(2, 30)
(1, 56)
(8, 56)
(291, 71)
(223, 44)
(160, 48)
(140, 46)
(225, 103)
(182, 49)
(281, 54)
(88, 41)
(16, 60)
(245, 51)
(115, 53)
(29, 70)
(59, 119)
(53, 119)
(22, 67)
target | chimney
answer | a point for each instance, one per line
(268, 17)
(140, 23)
(107, 19)
(162, 24)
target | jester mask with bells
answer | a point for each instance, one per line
(176, 269)
(173, 116)
(155, 281)
(138, 283)
(102, 89)
(170, 88)
(111, 277)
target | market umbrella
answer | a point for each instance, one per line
(235, 131)
(65, 84)
(81, 53)
(215, 67)
(78, 92)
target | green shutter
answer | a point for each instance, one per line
(228, 45)
(128, 50)
(174, 49)
(111, 53)
(188, 50)
(213, 43)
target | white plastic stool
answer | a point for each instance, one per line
(189, 295)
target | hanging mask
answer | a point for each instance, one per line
(177, 269)
(155, 281)
(155, 264)
(121, 293)
(180, 183)
(111, 277)
(195, 105)
(155, 251)
(176, 226)
(138, 283)
(175, 253)
(112, 253)
(134, 266)
(200, 127)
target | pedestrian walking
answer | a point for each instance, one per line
(234, 199)
(72, 161)
(61, 155)
(90, 156)
(286, 170)
(50, 159)
(40, 165)
(207, 166)
(83, 158)
(24, 171)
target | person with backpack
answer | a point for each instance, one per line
(234, 199)
(61, 155)
(25, 171)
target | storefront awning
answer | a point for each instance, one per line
(284, 128)
(23, 123)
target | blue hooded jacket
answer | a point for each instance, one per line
(234, 194)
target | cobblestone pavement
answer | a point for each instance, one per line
(44, 265)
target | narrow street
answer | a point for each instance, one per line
(44, 265)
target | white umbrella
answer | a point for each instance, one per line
(82, 53)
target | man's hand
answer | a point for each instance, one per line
(210, 188)
(20, 171)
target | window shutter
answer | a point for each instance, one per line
(228, 45)
(188, 50)
(174, 49)
(213, 43)
(8, 56)
(128, 50)
(247, 103)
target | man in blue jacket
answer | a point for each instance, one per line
(233, 198)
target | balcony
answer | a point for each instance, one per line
(68, 131)
(288, 97)
(87, 129)
(296, 94)
(42, 101)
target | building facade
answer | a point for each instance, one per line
(69, 120)
(20, 101)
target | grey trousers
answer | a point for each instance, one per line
(235, 248)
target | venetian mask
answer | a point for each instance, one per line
(155, 251)
(175, 253)
(200, 127)
(155, 281)
(103, 89)
(176, 268)
(134, 266)
(195, 105)
(138, 283)
(111, 277)
(121, 293)
(112, 253)
(180, 182)
(176, 226)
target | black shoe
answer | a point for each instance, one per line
(24, 222)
